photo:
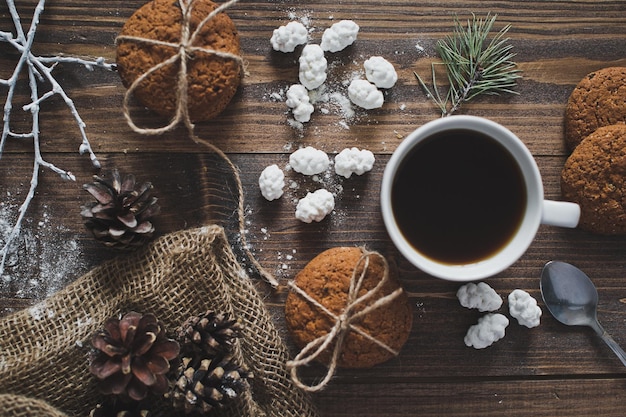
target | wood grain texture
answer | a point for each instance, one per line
(548, 371)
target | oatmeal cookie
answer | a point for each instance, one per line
(594, 176)
(598, 100)
(327, 279)
(212, 80)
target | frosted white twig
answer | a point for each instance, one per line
(39, 71)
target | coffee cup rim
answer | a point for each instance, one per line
(526, 230)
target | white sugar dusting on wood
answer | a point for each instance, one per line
(42, 260)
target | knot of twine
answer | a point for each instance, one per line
(344, 322)
(185, 51)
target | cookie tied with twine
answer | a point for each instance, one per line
(345, 309)
(173, 41)
(180, 58)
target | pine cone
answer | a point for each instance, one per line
(211, 333)
(120, 218)
(205, 384)
(133, 356)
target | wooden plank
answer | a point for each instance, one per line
(197, 191)
(476, 398)
(555, 48)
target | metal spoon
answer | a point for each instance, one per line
(572, 299)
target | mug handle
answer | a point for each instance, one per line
(560, 213)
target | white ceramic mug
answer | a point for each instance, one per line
(537, 210)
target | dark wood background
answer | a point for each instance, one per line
(551, 370)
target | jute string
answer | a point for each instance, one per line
(185, 49)
(344, 322)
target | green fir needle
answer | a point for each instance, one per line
(474, 66)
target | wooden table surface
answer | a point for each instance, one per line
(551, 370)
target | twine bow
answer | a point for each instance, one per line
(344, 322)
(185, 49)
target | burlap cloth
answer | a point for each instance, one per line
(44, 349)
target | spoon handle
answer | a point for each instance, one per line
(609, 341)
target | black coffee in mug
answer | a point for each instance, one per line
(458, 197)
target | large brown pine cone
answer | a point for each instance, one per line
(132, 356)
(120, 216)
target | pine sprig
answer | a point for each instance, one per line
(473, 65)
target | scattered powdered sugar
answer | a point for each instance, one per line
(41, 260)
(337, 102)
(303, 16)
(41, 311)
(263, 233)
(278, 96)
(243, 274)
(284, 258)
(84, 321)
